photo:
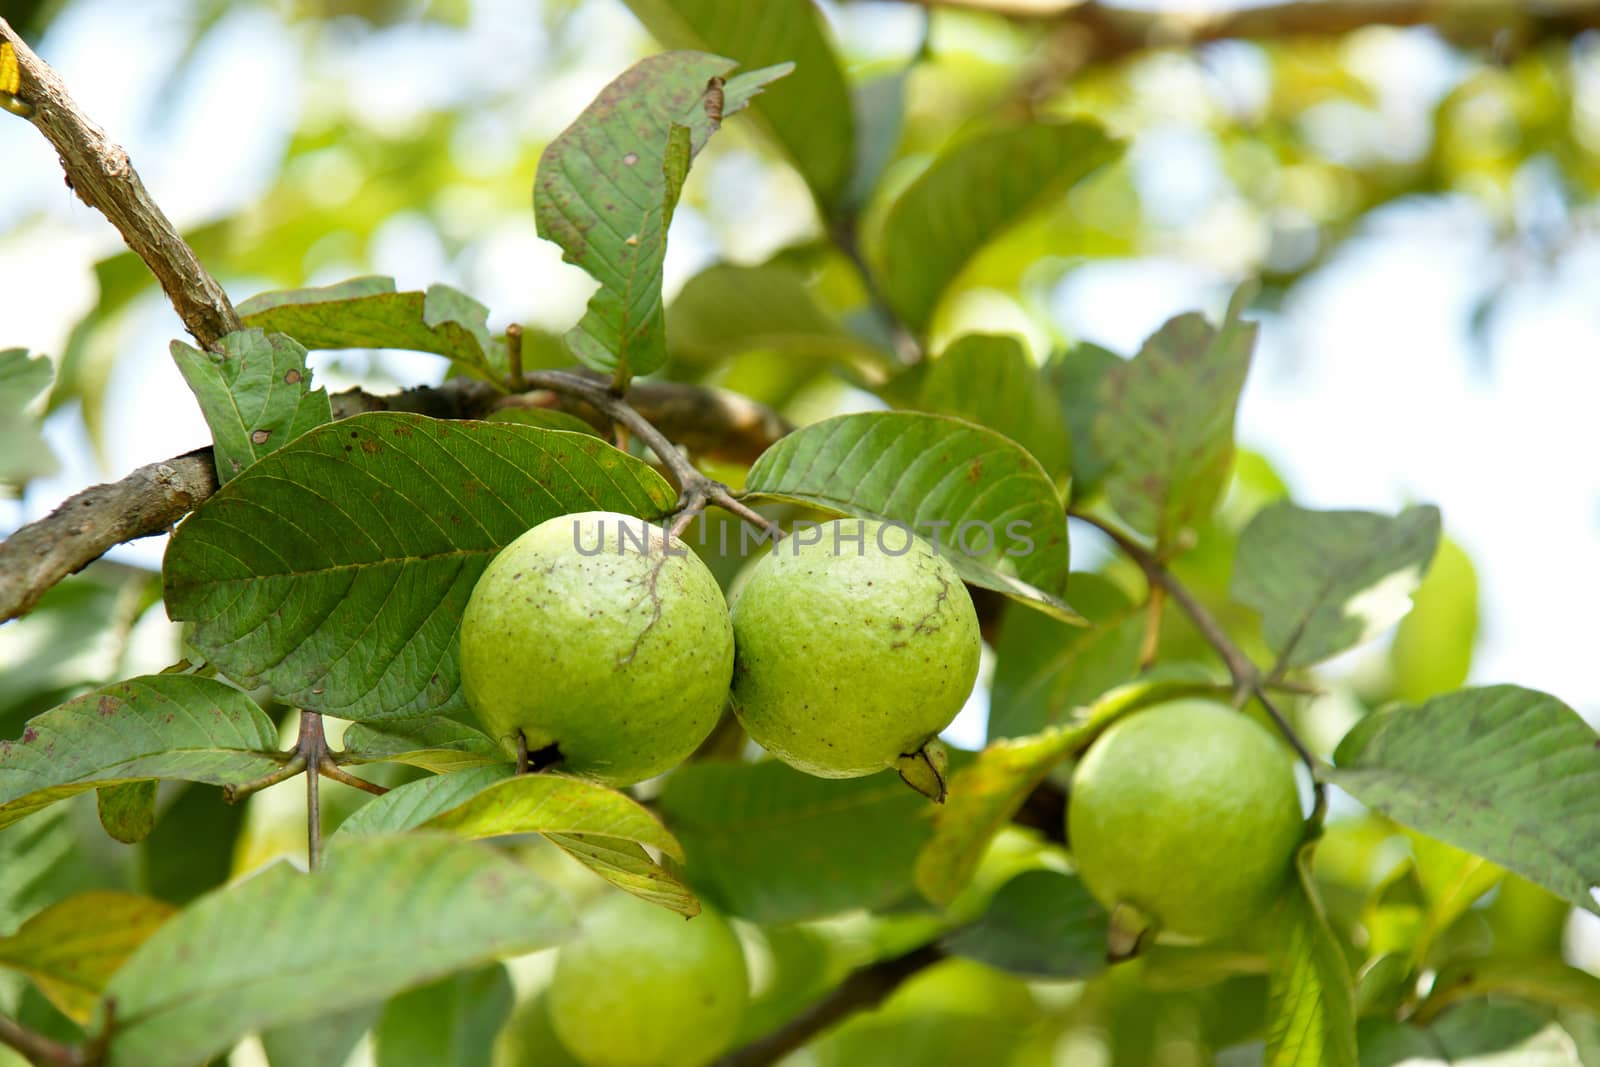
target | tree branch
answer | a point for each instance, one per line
(99, 171)
(38, 1049)
(865, 988)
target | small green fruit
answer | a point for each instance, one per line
(1183, 816)
(854, 650)
(644, 987)
(619, 655)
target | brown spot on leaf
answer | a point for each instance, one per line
(259, 437)
(630, 159)
(371, 447)
(402, 431)
(29, 736)
(975, 471)
(292, 377)
(108, 706)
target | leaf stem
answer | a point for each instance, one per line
(40, 1050)
(1248, 679)
(866, 987)
(514, 356)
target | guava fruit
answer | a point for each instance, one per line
(1183, 817)
(856, 643)
(644, 987)
(593, 634)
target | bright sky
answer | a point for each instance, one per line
(1367, 391)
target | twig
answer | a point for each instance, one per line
(38, 1049)
(153, 498)
(313, 746)
(695, 490)
(146, 502)
(1248, 680)
(514, 355)
(865, 988)
(99, 171)
(310, 749)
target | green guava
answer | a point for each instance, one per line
(617, 655)
(1183, 817)
(643, 987)
(856, 644)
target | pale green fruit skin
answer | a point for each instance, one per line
(1188, 811)
(644, 987)
(621, 658)
(847, 660)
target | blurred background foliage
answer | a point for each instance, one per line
(1374, 180)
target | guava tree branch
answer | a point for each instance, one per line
(99, 171)
(1248, 679)
(865, 988)
(1101, 32)
(38, 1049)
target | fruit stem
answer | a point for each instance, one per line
(1128, 933)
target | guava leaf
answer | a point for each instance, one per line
(972, 193)
(157, 726)
(596, 825)
(727, 310)
(943, 477)
(1541, 979)
(366, 312)
(880, 111)
(452, 1021)
(256, 395)
(236, 959)
(772, 845)
(128, 811)
(608, 184)
(1489, 1033)
(1311, 1011)
(319, 1042)
(1165, 421)
(1072, 377)
(1045, 668)
(1325, 581)
(23, 452)
(988, 379)
(1503, 772)
(73, 947)
(1043, 924)
(630, 868)
(988, 791)
(336, 568)
(808, 116)
(431, 742)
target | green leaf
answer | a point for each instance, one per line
(1432, 649)
(367, 313)
(336, 569)
(937, 475)
(23, 452)
(727, 310)
(1166, 421)
(1482, 1034)
(319, 1042)
(1043, 924)
(972, 193)
(128, 811)
(990, 380)
(808, 116)
(545, 418)
(237, 959)
(1311, 1010)
(72, 948)
(988, 791)
(1325, 581)
(605, 193)
(431, 742)
(1073, 378)
(630, 868)
(554, 803)
(256, 395)
(408, 806)
(1506, 773)
(159, 726)
(170, 867)
(1044, 669)
(453, 1021)
(1542, 979)
(880, 112)
(772, 845)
